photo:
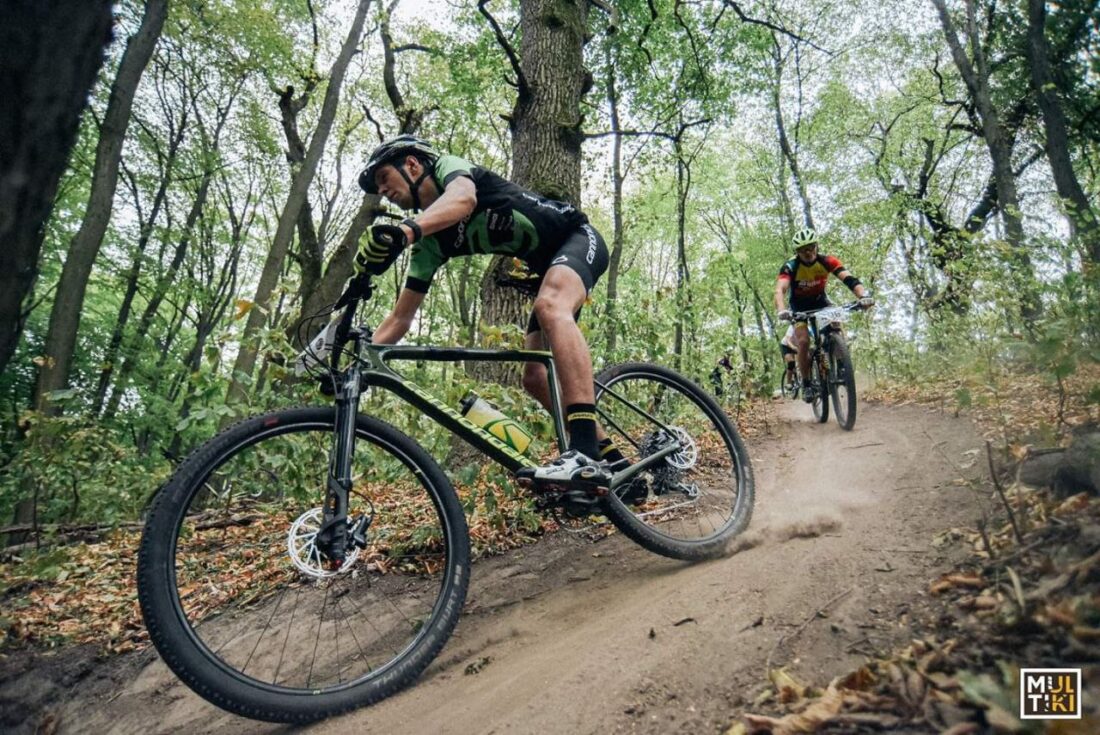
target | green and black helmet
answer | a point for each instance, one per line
(391, 151)
(804, 238)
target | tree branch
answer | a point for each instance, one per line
(612, 14)
(772, 26)
(521, 78)
(417, 47)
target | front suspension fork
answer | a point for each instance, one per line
(332, 537)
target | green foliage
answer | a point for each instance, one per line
(891, 165)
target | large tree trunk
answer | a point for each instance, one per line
(1081, 216)
(50, 53)
(546, 136)
(284, 233)
(546, 121)
(69, 302)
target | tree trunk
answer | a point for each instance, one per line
(284, 233)
(683, 275)
(789, 154)
(1081, 216)
(614, 263)
(546, 137)
(327, 290)
(976, 77)
(69, 302)
(50, 53)
(310, 258)
(546, 122)
(132, 276)
(132, 352)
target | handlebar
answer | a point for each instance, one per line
(802, 316)
(805, 316)
(323, 351)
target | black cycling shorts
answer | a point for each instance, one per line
(584, 252)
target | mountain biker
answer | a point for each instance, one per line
(800, 286)
(464, 209)
(716, 373)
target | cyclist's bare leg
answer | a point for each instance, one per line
(561, 295)
(802, 343)
(536, 378)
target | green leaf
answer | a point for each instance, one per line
(963, 398)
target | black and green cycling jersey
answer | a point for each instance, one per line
(508, 220)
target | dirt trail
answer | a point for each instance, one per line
(572, 636)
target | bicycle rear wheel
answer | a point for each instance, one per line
(691, 503)
(842, 382)
(238, 600)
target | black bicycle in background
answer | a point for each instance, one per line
(831, 371)
(309, 561)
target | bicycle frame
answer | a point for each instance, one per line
(820, 336)
(370, 368)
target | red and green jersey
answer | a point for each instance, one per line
(808, 281)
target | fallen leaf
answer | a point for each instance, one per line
(860, 680)
(788, 689)
(951, 581)
(981, 602)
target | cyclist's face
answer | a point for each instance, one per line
(808, 253)
(393, 186)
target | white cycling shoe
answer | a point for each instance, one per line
(571, 468)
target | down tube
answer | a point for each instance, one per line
(450, 419)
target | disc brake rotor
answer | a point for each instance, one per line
(301, 543)
(687, 455)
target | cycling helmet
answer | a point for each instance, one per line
(392, 150)
(804, 237)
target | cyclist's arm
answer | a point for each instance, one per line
(395, 326)
(850, 281)
(455, 203)
(782, 285)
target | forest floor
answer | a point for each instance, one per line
(852, 553)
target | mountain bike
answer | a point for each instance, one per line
(832, 375)
(341, 570)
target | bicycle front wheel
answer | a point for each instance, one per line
(842, 382)
(821, 384)
(691, 502)
(243, 607)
